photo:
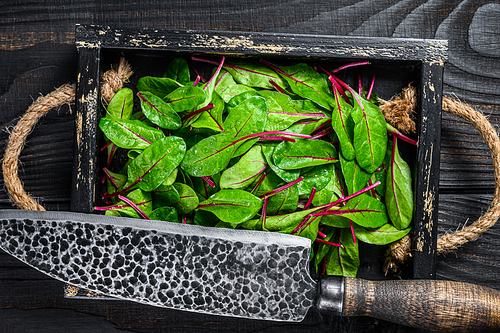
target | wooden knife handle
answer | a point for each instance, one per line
(442, 306)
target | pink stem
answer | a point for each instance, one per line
(134, 206)
(401, 136)
(352, 232)
(106, 145)
(264, 212)
(277, 138)
(261, 179)
(360, 84)
(328, 243)
(209, 181)
(196, 81)
(198, 73)
(336, 202)
(371, 88)
(308, 203)
(322, 133)
(352, 64)
(192, 114)
(321, 234)
(277, 87)
(184, 219)
(282, 188)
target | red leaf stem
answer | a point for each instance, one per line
(134, 206)
(209, 181)
(277, 138)
(202, 78)
(282, 188)
(371, 88)
(308, 203)
(194, 113)
(328, 243)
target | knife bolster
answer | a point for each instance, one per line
(331, 295)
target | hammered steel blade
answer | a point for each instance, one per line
(240, 273)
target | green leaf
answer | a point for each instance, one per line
(398, 194)
(380, 236)
(232, 206)
(224, 81)
(307, 83)
(304, 153)
(243, 173)
(254, 75)
(343, 125)
(212, 118)
(317, 177)
(233, 91)
(283, 202)
(365, 211)
(247, 117)
(287, 175)
(188, 199)
(178, 70)
(168, 214)
(141, 198)
(165, 195)
(370, 134)
(331, 192)
(185, 98)
(158, 86)
(205, 218)
(158, 111)
(343, 261)
(355, 177)
(211, 155)
(203, 189)
(282, 112)
(156, 163)
(121, 105)
(129, 134)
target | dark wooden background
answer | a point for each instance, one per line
(37, 54)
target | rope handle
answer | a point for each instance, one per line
(401, 107)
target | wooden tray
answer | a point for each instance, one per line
(395, 62)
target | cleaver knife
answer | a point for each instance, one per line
(239, 273)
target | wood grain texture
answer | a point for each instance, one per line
(37, 54)
(442, 306)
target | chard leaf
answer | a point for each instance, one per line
(160, 87)
(323, 249)
(185, 98)
(224, 81)
(203, 189)
(238, 99)
(331, 192)
(282, 113)
(343, 261)
(355, 177)
(307, 83)
(205, 218)
(156, 163)
(247, 117)
(336, 221)
(254, 75)
(304, 153)
(283, 202)
(114, 181)
(343, 125)
(188, 199)
(209, 87)
(211, 155)
(232, 206)
(158, 111)
(168, 214)
(398, 194)
(365, 211)
(307, 126)
(212, 118)
(129, 134)
(243, 173)
(317, 177)
(370, 134)
(121, 105)
(233, 91)
(178, 70)
(287, 175)
(380, 236)
(165, 195)
(141, 199)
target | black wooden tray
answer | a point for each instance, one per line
(395, 62)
